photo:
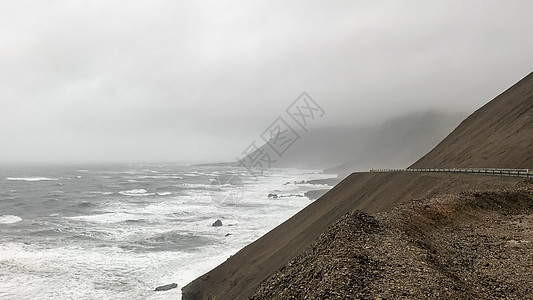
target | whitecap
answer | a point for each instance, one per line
(159, 177)
(196, 186)
(105, 218)
(99, 192)
(9, 219)
(31, 179)
(164, 194)
(192, 174)
(136, 192)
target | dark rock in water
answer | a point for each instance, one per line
(218, 223)
(315, 194)
(166, 287)
(276, 196)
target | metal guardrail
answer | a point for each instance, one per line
(526, 173)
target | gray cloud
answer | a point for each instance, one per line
(194, 81)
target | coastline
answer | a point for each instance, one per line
(241, 275)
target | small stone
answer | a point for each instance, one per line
(217, 223)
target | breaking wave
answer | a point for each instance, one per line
(31, 179)
(9, 219)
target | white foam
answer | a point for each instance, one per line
(107, 218)
(192, 174)
(136, 192)
(31, 179)
(71, 272)
(101, 193)
(159, 177)
(9, 219)
(198, 186)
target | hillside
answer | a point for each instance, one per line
(241, 274)
(498, 135)
(471, 245)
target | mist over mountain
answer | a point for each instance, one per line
(395, 143)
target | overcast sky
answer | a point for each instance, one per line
(192, 81)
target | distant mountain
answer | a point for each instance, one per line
(394, 143)
(498, 135)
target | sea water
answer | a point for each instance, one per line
(119, 231)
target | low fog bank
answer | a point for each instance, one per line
(395, 143)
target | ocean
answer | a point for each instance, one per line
(119, 231)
